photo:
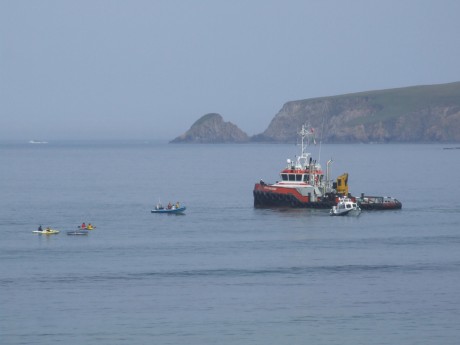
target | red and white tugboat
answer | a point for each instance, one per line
(303, 184)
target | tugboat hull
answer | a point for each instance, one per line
(263, 197)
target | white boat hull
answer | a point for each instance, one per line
(345, 207)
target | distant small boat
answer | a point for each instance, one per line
(78, 232)
(37, 142)
(170, 209)
(46, 232)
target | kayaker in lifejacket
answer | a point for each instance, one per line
(40, 228)
(177, 204)
(83, 225)
(89, 226)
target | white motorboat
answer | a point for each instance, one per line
(344, 207)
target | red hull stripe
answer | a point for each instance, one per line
(281, 190)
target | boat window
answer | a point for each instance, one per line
(305, 178)
(298, 177)
(284, 177)
(291, 177)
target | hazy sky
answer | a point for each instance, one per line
(149, 69)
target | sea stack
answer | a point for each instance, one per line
(211, 129)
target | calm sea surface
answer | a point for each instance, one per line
(225, 273)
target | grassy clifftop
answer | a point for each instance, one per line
(393, 103)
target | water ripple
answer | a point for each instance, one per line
(238, 272)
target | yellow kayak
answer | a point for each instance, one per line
(46, 232)
(87, 227)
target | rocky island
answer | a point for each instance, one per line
(211, 128)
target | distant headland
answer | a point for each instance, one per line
(425, 113)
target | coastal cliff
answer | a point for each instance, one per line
(413, 114)
(211, 128)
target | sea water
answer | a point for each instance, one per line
(225, 272)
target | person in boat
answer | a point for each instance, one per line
(90, 227)
(40, 228)
(169, 206)
(48, 229)
(177, 204)
(83, 225)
